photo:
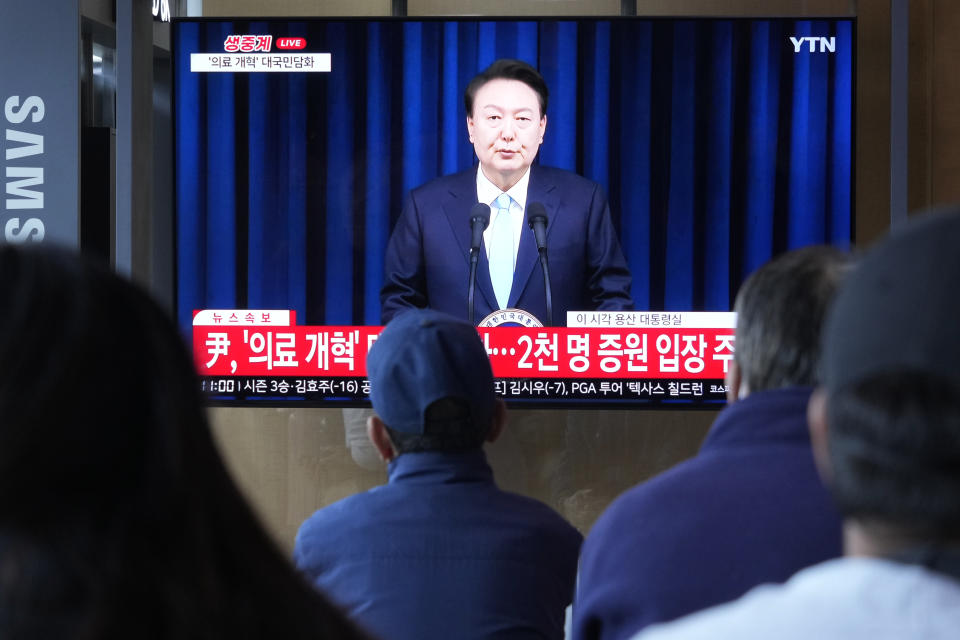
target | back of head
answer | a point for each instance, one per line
(116, 512)
(431, 383)
(97, 397)
(891, 353)
(507, 69)
(780, 311)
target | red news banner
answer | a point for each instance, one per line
(623, 356)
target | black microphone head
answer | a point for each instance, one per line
(479, 219)
(536, 214)
(480, 213)
(537, 220)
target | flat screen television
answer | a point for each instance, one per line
(719, 143)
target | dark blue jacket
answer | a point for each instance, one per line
(427, 263)
(441, 552)
(748, 509)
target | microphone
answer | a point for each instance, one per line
(479, 219)
(537, 221)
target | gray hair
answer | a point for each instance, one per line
(780, 310)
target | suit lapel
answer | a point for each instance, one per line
(543, 191)
(460, 198)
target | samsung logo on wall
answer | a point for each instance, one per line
(23, 170)
(40, 122)
(161, 10)
(814, 44)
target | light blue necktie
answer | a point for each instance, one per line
(501, 251)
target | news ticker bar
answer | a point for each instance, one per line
(637, 353)
(260, 62)
(357, 389)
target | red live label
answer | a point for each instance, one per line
(291, 43)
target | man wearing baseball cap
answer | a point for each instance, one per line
(439, 551)
(885, 427)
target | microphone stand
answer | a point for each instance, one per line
(537, 220)
(474, 256)
(546, 284)
(479, 219)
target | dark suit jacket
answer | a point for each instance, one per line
(428, 255)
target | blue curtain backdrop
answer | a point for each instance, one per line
(719, 146)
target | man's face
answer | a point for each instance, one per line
(506, 129)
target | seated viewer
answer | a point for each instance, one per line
(749, 508)
(118, 518)
(440, 551)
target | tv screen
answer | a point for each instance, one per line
(714, 144)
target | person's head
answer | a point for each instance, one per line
(431, 387)
(99, 410)
(780, 310)
(116, 510)
(886, 421)
(506, 106)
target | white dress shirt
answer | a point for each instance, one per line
(487, 192)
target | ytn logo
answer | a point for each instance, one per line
(825, 44)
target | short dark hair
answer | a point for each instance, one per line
(448, 427)
(780, 311)
(507, 69)
(894, 443)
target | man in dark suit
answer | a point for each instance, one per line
(428, 256)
